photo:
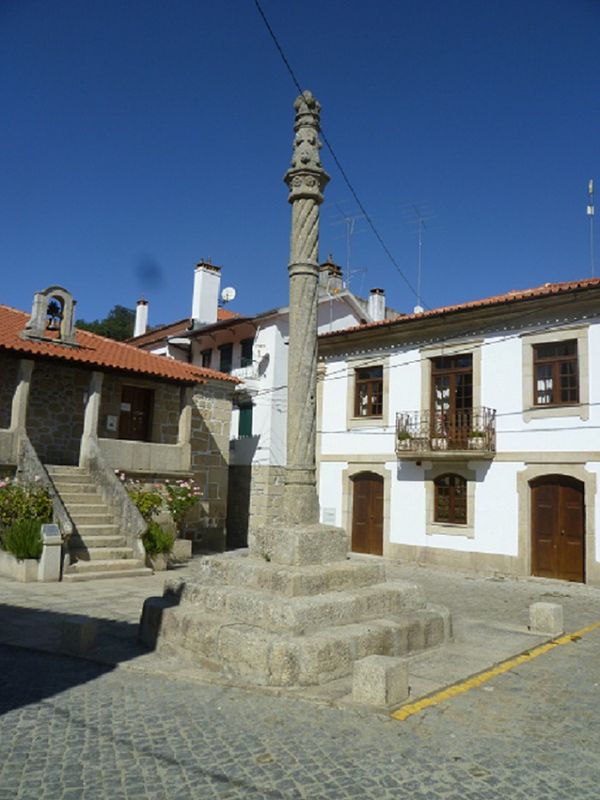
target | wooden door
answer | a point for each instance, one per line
(558, 528)
(136, 412)
(367, 514)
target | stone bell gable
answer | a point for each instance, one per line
(52, 316)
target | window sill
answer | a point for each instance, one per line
(449, 529)
(365, 422)
(580, 410)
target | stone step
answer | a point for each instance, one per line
(79, 498)
(100, 553)
(140, 572)
(236, 570)
(87, 508)
(97, 518)
(295, 615)
(87, 531)
(86, 487)
(96, 541)
(61, 469)
(256, 656)
(103, 565)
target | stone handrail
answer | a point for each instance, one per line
(131, 521)
(31, 468)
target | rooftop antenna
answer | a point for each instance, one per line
(350, 221)
(590, 213)
(419, 214)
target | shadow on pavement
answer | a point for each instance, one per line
(80, 646)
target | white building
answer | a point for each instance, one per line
(253, 349)
(469, 436)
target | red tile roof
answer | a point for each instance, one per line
(179, 328)
(515, 295)
(97, 351)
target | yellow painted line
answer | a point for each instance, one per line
(483, 677)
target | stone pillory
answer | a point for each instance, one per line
(294, 610)
(306, 180)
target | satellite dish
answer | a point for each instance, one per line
(228, 294)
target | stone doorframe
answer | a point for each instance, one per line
(350, 472)
(588, 479)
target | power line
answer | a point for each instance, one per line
(336, 160)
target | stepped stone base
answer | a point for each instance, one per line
(292, 622)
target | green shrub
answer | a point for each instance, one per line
(156, 540)
(24, 538)
(147, 503)
(23, 501)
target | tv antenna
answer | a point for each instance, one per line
(349, 221)
(419, 214)
(590, 213)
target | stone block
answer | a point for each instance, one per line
(300, 545)
(182, 549)
(380, 681)
(78, 634)
(546, 618)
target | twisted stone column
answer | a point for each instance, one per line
(306, 180)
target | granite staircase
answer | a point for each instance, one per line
(97, 548)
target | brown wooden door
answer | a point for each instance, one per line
(367, 514)
(136, 411)
(558, 528)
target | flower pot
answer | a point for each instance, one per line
(405, 444)
(476, 443)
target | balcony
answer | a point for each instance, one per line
(464, 434)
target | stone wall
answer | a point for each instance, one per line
(211, 419)
(165, 412)
(56, 410)
(9, 367)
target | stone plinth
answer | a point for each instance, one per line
(279, 624)
(380, 681)
(546, 618)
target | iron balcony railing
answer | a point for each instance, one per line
(425, 432)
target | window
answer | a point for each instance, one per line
(368, 398)
(225, 357)
(450, 504)
(206, 356)
(555, 373)
(246, 346)
(245, 423)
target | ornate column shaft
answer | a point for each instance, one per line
(306, 180)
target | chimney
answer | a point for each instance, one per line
(377, 305)
(330, 277)
(207, 282)
(141, 317)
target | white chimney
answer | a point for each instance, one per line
(377, 305)
(141, 317)
(205, 301)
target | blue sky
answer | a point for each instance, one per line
(140, 136)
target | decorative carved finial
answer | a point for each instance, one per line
(306, 176)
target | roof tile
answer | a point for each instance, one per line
(98, 351)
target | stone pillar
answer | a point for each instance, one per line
(20, 401)
(90, 419)
(184, 435)
(306, 180)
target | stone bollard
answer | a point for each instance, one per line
(546, 618)
(49, 566)
(78, 634)
(380, 681)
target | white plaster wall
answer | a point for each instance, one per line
(330, 487)
(404, 378)
(407, 504)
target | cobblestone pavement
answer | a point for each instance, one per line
(73, 730)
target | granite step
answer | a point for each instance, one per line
(103, 565)
(97, 540)
(93, 518)
(235, 570)
(138, 572)
(260, 657)
(295, 615)
(100, 553)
